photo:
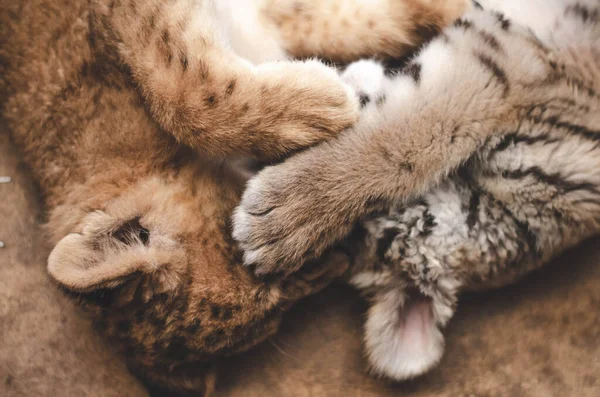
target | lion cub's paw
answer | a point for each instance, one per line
(313, 102)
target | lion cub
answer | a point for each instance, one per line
(99, 97)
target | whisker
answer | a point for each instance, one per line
(282, 351)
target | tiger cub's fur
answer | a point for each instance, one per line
(481, 159)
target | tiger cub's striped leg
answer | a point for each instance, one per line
(475, 80)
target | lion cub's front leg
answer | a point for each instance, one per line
(211, 99)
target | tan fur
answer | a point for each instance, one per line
(210, 98)
(141, 223)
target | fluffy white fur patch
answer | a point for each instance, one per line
(365, 77)
(401, 336)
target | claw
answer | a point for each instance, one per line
(241, 225)
(252, 257)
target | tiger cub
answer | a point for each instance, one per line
(475, 164)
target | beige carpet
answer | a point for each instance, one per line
(540, 338)
(47, 347)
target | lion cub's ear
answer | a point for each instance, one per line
(110, 252)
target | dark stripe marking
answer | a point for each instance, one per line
(490, 40)
(424, 33)
(523, 227)
(575, 129)
(463, 23)
(184, 61)
(230, 88)
(429, 223)
(495, 69)
(555, 180)
(504, 23)
(211, 100)
(414, 71)
(473, 210)
(364, 100)
(165, 36)
(514, 139)
(583, 13)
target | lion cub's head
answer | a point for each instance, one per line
(161, 276)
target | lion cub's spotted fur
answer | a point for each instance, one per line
(480, 160)
(99, 95)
